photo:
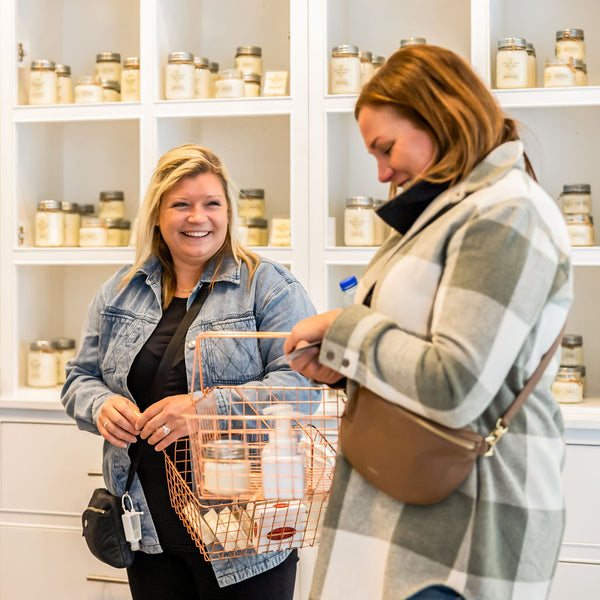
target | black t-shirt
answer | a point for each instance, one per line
(151, 470)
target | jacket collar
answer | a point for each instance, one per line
(494, 166)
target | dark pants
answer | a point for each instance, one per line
(436, 592)
(187, 576)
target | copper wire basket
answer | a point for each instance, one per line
(255, 473)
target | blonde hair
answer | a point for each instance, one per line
(188, 160)
(441, 94)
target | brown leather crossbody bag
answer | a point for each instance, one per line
(414, 459)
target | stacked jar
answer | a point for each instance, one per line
(576, 205)
(567, 68)
(569, 387)
(359, 221)
(251, 210)
(512, 70)
(248, 60)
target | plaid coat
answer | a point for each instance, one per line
(463, 307)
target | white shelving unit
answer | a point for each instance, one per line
(303, 149)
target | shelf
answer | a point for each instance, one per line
(224, 108)
(73, 256)
(109, 111)
(585, 415)
(549, 97)
(583, 257)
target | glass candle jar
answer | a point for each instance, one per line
(111, 91)
(571, 350)
(92, 233)
(581, 74)
(112, 205)
(570, 43)
(130, 80)
(42, 82)
(531, 66)
(49, 224)
(251, 85)
(367, 70)
(230, 84)
(125, 232)
(41, 365)
(576, 199)
(251, 203)
(378, 62)
(108, 66)
(248, 59)
(568, 386)
(72, 223)
(511, 63)
(179, 80)
(281, 231)
(226, 470)
(214, 71)
(581, 229)
(344, 70)
(65, 351)
(359, 222)
(412, 41)
(201, 78)
(114, 236)
(559, 73)
(64, 85)
(380, 227)
(88, 90)
(258, 231)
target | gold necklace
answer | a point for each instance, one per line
(184, 290)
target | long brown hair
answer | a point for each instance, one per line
(175, 165)
(440, 93)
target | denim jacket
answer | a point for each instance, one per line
(120, 321)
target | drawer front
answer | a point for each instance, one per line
(582, 490)
(54, 564)
(574, 581)
(44, 466)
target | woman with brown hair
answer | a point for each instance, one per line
(451, 318)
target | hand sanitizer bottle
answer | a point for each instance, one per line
(348, 287)
(282, 463)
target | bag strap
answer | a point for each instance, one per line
(166, 362)
(504, 421)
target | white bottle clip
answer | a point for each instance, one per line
(131, 522)
(282, 463)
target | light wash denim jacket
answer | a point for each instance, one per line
(120, 321)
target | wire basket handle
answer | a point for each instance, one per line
(228, 334)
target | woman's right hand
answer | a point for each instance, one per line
(117, 421)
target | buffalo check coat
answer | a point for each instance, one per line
(462, 308)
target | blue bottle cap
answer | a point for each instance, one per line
(348, 283)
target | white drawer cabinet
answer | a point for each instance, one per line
(46, 466)
(53, 563)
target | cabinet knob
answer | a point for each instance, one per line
(94, 473)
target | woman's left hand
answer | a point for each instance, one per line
(162, 423)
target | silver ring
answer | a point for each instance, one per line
(105, 424)
(166, 430)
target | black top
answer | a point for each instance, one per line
(151, 470)
(402, 211)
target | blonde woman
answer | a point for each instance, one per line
(451, 318)
(186, 242)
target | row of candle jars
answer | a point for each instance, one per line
(47, 360)
(69, 224)
(51, 83)
(516, 63)
(350, 68)
(576, 205)
(188, 77)
(570, 384)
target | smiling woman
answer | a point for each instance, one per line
(187, 256)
